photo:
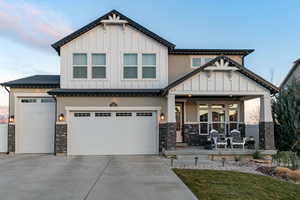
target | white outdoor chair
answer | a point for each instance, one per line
(218, 141)
(237, 139)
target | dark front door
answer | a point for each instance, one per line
(179, 122)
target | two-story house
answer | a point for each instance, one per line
(123, 89)
(293, 74)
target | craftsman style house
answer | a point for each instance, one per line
(123, 89)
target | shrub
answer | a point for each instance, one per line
(294, 175)
(257, 155)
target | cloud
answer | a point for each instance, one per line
(30, 25)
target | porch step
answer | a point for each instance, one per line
(181, 145)
(192, 157)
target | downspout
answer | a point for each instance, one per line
(8, 114)
(55, 124)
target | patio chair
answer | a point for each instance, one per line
(218, 140)
(237, 139)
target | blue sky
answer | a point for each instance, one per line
(271, 27)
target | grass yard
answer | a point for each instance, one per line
(228, 185)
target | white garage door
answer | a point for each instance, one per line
(108, 133)
(35, 119)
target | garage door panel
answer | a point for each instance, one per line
(118, 133)
(35, 127)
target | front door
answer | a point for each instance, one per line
(179, 122)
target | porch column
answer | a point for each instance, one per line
(266, 125)
(167, 131)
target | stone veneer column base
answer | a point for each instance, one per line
(11, 138)
(61, 139)
(266, 136)
(167, 136)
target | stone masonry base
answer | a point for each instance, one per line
(11, 139)
(266, 135)
(61, 139)
(167, 136)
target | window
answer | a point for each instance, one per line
(130, 66)
(103, 114)
(149, 65)
(196, 62)
(47, 100)
(28, 101)
(203, 117)
(144, 114)
(82, 114)
(99, 65)
(79, 65)
(124, 114)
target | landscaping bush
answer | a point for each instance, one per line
(286, 113)
(294, 175)
(257, 155)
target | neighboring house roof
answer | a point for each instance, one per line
(243, 52)
(96, 22)
(106, 92)
(273, 89)
(37, 81)
(290, 73)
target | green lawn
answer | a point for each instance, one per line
(228, 185)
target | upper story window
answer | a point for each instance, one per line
(79, 65)
(99, 65)
(198, 61)
(130, 66)
(149, 66)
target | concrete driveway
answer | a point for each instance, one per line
(30, 177)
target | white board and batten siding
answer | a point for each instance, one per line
(114, 41)
(219, 82)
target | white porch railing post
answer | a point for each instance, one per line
(171, 108)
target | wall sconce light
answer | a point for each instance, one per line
(162, 116)
(61, 117)
(11, 119)
(190, 95)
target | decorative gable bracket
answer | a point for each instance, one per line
(220, 65)
(114, 20)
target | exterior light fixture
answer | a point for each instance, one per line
(61, 117)
(189, 95)
(162, 116)
(11, 119)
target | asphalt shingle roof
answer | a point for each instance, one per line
(41, 81)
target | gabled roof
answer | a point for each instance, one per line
(296, 63)
(242, 52)
(37, 81)
(106, 92)
(96, 22)
(273, 89)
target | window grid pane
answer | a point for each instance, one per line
(130, 72)
(196, 62)
(149, 59)
(79, 59)
(98, 72)
(80, 72)
(130, 59)
(98, 59)
(149, 72)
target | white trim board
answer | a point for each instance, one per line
(71, 108)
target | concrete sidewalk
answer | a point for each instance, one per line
(30, 177)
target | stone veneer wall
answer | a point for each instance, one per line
(167, 136)
(61, 138)
(266, 136)
(191, 135)
(11, 138)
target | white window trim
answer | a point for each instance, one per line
(91, 64)
(122, 64)
(87, 66)
(156, 64)
(202, 60)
